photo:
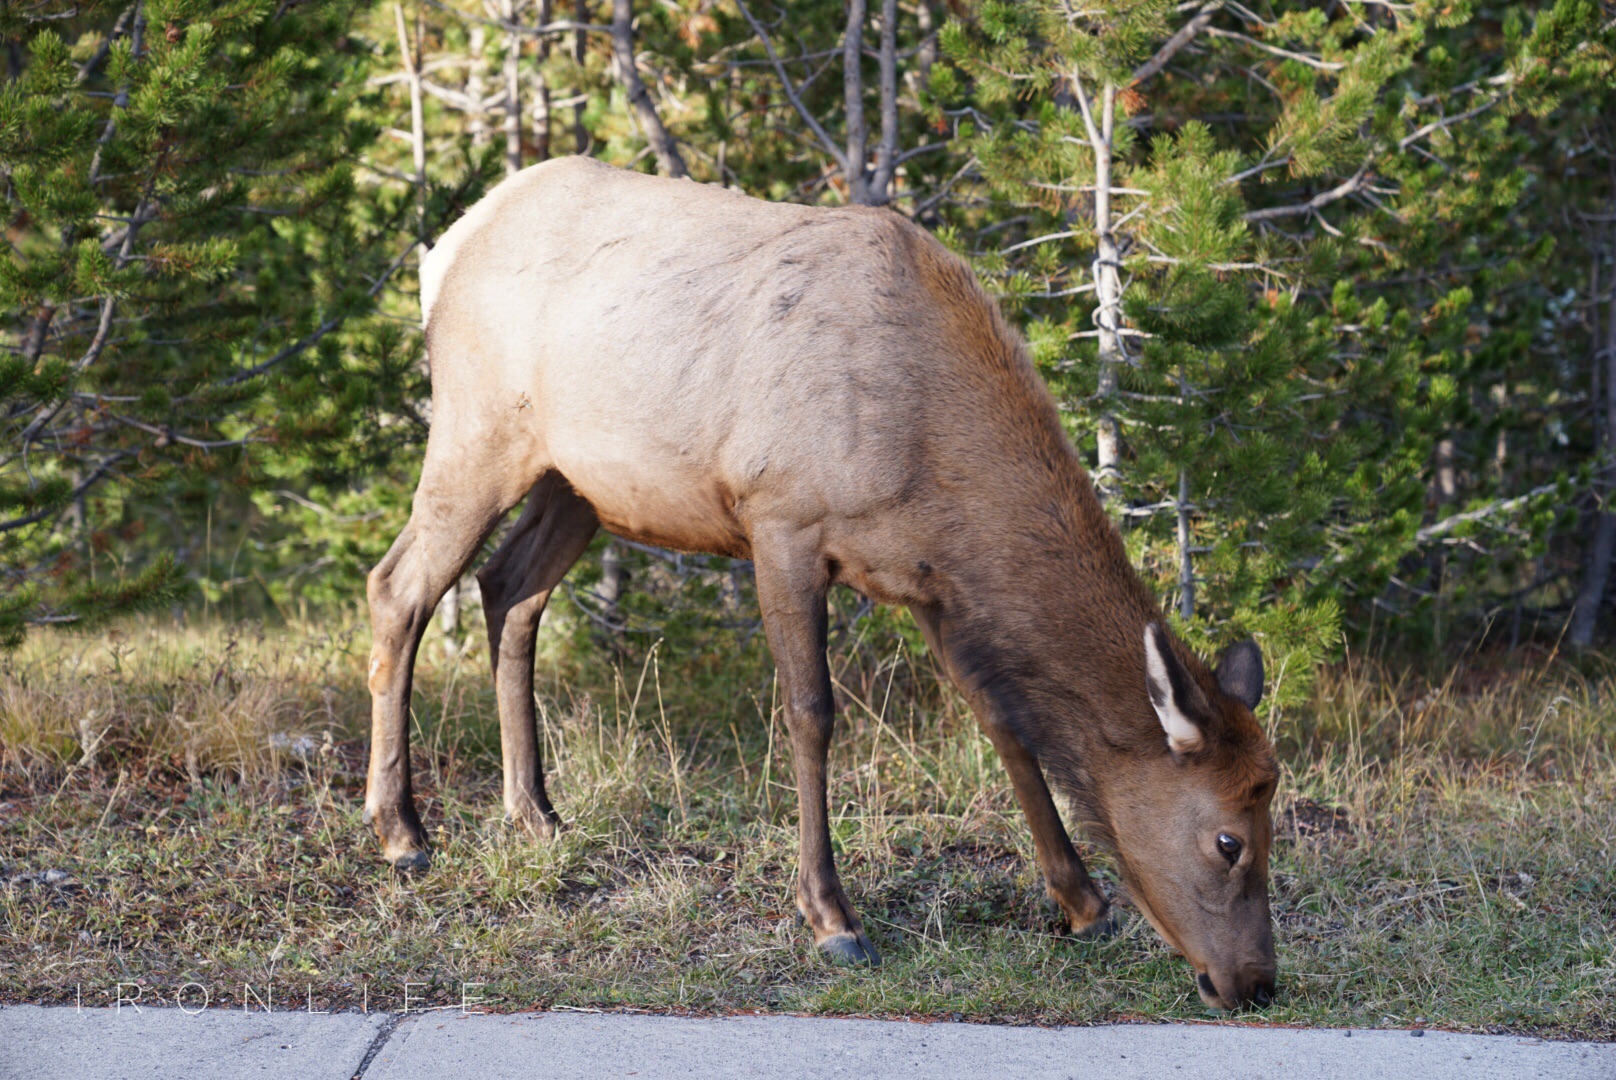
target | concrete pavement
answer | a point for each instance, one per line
(103, 1044)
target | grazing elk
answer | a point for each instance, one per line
(829, 393)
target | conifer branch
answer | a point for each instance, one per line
(1501, 506)
(83, 486)
(319, 332)
(1317, 202)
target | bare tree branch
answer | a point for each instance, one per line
(1502, 506)
(459, 100)
(119, 28)
(167, 435)
(560, 27)
(628, 73)
(1322, 199)
(932, 201)
(1447, 121)
(1301, 58)
(792, 96)
(1186, 33)
(916, 151)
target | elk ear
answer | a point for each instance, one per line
(1240, 673)
(1179, 703)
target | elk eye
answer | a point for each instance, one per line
(1229, 846)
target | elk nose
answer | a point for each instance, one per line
(1236, 989)
(1257, 986)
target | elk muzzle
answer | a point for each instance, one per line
(1237, 987)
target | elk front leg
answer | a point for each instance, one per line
(1087, 910)
(792, 582)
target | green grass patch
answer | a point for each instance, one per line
(180, 810)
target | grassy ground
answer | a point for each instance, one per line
(180, 810)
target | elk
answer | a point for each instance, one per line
(831, 394)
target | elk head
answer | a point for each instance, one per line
(1191, 826)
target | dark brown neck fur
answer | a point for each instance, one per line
(1045, 617)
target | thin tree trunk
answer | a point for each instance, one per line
(412, 72)
(580, 133)
(449, 618)
(858, 177)
(1186, 561)
(613, 584)
(926, 57)
(476, 86)
(1585, 615)
(513, 91)
(541, 92)
(1447, 479)
(628, 73)
(1446, 493)
(614, 575)
(1107, 290)
(886, 153)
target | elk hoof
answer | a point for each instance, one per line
(410, 861)
(850, 948)
(539, 824)
(399, 832)
(1101, 928)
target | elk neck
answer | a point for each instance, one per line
(1041, 618)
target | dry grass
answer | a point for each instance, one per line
(214, 704)
(1446, 855)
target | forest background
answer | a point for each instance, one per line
(1325, 291)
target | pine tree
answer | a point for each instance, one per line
(184, 260)
(1187, 208)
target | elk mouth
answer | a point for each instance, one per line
(1261, 996)
(1261, 992)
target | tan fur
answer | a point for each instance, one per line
(829, 393)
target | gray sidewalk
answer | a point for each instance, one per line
(101, 1044)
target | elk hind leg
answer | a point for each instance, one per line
(453, 511)
(554, 530)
